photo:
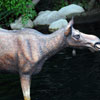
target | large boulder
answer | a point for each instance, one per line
(71, 10)
(18, 24)
(46, 17)
(35, 1)
(44, 12)
(57, 25)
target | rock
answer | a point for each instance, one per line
(46, 17)
(57, 25)
(1, 29)
(44, 12)
(71, 10)
(18, 24)
(35, 1)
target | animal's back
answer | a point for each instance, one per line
(18, 47)
(9, 39)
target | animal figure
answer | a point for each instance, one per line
(25, 51)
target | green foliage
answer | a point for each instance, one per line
(59, 4)
(83, 3)
(12, 9)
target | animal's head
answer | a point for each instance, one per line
(78, 39)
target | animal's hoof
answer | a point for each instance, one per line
(26, 98)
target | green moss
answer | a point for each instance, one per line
(12, 9)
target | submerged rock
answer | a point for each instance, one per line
(57, 25)
(18, 24)
(71, 10)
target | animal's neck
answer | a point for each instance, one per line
(53, 43)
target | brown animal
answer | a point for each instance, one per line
(25, 51)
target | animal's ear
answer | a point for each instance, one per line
(68, 29)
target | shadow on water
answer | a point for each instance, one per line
(63, 77)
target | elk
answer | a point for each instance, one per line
(25, 51)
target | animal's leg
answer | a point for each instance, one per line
(25, 84)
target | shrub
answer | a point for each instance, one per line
(12, 9)
(61, 3)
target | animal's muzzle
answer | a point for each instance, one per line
(97, 45)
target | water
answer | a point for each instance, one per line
(63, 77)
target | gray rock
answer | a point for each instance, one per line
(18, 24)
(35, 1)
(44, 12)
(47, 17)
(57, 25)
(71, 10)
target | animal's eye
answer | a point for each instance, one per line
(77, 37)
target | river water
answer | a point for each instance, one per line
(63, 77)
